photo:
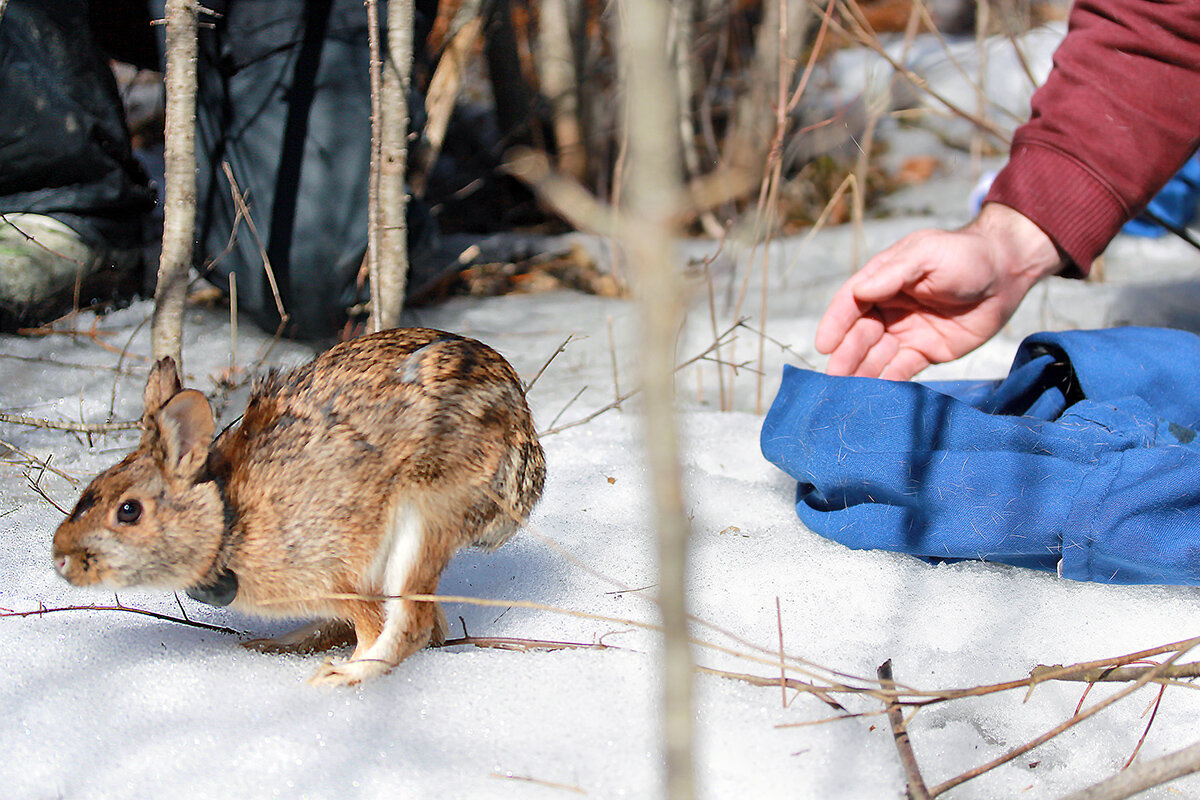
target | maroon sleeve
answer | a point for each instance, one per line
(1118, 115)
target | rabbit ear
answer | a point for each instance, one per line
(161, 386)
(185, 429)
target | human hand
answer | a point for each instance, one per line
(935, 295)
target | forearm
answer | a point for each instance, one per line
(1116, 118)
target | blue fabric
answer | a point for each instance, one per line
(1083, 460)
(1176, 202)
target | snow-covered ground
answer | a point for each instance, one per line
(115, 704)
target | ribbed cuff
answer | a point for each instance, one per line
(1064, 198)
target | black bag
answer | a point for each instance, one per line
(64, 146)
(284, 99)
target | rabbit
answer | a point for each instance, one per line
(349, 481)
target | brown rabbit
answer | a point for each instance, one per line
(349, 481)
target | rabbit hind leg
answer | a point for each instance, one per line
(411, 564)
(315, 637)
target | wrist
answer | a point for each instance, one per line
(1022, 251)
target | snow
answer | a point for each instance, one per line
(111, 705)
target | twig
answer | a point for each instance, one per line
(612, 352)
(773, 178)
(66, 364)
(74, 427)
(563, 410)
(771, 682)
(36, 486)
(1121, 674)
(1143, 776)
(538, 781)
(499, 643)
(735, 366)
(1057, 729)
(622, 398)
(782, 660)
(182, 611)
(560, 85)
(850, 182)
(94, 335)
(42, 610)
(443, 91)
(712, 320)
(566, 196)
(45, 465)
(681, 46)
(864, 37)
(1146, 730)
(578, 206)
(787, 348)
(525, 645)
(916, 784)
(553, 356)
(112, 401)
(233, 322)
(243, 212)
(33, 240)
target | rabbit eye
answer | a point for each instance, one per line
(129, 512)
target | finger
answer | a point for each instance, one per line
(858, 341)
(839, 317)
(878, 357)
(906, 363)
(883, 281)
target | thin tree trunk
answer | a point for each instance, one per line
(654, 199)
(374, 237)
(393, 159)
(684, 30)
(754, 114)
(512, 96)
(442, 94)
(560, 84)
(179, 208)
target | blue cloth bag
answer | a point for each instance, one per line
(1084, 460)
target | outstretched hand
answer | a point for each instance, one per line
(934, 296)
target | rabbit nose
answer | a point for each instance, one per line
(60, 564)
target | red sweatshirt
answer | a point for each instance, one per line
(1116, 118)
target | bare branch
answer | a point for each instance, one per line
(42, 610)
(916, 784)
(1143, 776)
(622, 398)
(75, 427)
(553, 356)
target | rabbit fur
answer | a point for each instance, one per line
(348, 481)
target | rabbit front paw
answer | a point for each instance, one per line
(349, 673)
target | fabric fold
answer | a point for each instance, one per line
(1083, 460)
